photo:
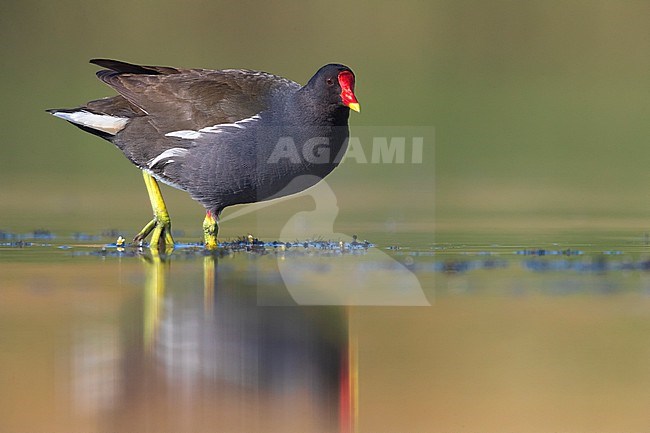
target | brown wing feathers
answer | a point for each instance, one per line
(177, 99)
(170, 99)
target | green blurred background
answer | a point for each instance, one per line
(540, 108)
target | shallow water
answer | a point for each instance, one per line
(521, 334)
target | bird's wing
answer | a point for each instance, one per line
(191, 99)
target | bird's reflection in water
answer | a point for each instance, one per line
(211, 359)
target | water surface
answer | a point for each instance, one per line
(512, 336)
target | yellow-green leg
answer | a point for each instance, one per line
(210, 230)
(161, 224)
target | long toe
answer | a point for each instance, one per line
(142, 235)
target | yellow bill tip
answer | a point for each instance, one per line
(355, 106)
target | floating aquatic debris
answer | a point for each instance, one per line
(433, 259)
(113, 252)
(5, 235)
(459, 266)
(416, 253)
(17, 244)
(42, 234)
(250, 244)
(593, 264)
(545, 252)
(83, 237)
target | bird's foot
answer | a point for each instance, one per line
(161, 233)
(161, 224)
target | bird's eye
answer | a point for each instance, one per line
(329, 82)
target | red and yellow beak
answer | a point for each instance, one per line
(346, 81)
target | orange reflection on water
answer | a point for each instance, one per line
(163, 345)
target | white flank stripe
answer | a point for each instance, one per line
(241, 124)
(186, 134)
(216, 129)
(169, 154)
(189, 134)
(101, 122)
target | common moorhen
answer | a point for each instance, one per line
(226, 137)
